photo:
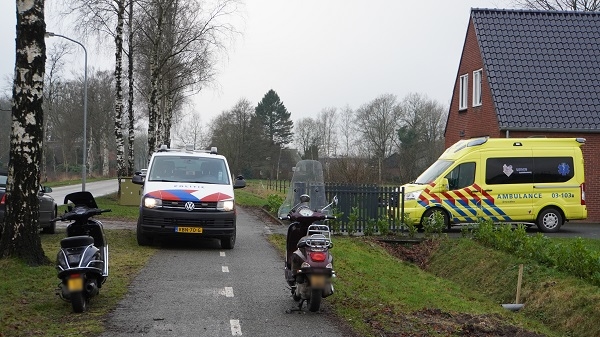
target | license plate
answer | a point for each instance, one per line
(317, 281)
(192, 230)
(75, 284)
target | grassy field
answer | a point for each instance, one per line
(457, 293)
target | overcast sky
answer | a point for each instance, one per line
(318, 53)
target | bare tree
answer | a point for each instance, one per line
(20, 231)
(233, 136)
(560, 5)
(102, 18)
(52, 82)
(326, 121)
(420, 134)
(307, 138)
(180, 44)
(377, 123)
(348, 134)
(191, 131)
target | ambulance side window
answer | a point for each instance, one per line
(461, 176)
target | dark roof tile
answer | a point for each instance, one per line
(542, 66)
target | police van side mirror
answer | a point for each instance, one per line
(239, 182)
(138, 179)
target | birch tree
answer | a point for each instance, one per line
(180, 43)
(106, 17)
(20, 232)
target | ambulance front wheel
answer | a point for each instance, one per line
(429, 215)
(550, 220)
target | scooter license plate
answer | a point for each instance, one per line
(317, 281)
(75, 284)
(192, 230)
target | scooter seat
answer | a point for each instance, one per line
(76, 241)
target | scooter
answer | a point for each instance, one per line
(82, 262)
(308, 263)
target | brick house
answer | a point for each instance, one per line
(529, 73)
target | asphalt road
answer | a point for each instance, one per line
(194, 288)
(97, 188)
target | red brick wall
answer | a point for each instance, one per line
(474, 121)
(483, 121)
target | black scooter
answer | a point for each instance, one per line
(308, 263)
(82, 262)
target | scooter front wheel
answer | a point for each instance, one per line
(315, 300)
(78, 301)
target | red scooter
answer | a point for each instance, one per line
(308, 262)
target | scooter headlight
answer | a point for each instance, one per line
(152, 202)
(414, 195)
(225, 205)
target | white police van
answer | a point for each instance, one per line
(187, 193)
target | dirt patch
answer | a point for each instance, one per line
(434, 322)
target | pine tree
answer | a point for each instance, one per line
(275, 119)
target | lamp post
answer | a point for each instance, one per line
(83, 165)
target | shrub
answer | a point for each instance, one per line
(352, 221)
(273, 203)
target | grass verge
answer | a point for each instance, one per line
(379, 295)
(30, 307)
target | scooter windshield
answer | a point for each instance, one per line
(83, 198)
(307, 179)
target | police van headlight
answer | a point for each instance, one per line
(225, 205)
(152, 202)
(414, 195)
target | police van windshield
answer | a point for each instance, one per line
(434, 171)
(189, 169)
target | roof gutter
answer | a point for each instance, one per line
(553, 130)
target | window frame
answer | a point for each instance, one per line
(477, 80)
(463, 90)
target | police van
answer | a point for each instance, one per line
(187, 193)
(533, 181)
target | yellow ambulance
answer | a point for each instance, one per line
(532, 181)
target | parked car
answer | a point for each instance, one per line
(48, 207)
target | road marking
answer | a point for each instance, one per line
(236, 329)
(225, 269)
(222, 253)
(228, 291)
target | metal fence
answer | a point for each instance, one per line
(367, 203)
(362, 202)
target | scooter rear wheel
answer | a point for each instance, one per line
(78, 301)
(315, 300)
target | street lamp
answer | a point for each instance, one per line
(84, 169)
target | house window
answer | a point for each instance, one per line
(477, 87)
(462, 96)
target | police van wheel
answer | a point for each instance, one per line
(228, 242)
(549, 220)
